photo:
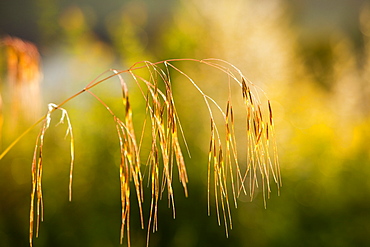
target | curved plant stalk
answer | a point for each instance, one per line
(227, 178)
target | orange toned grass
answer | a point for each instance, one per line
(23, 76)
(226, 177)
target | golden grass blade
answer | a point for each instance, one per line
(228, 176)
(37, 167)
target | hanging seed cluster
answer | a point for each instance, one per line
(227, 176)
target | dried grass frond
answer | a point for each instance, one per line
(37, 166)
(228, 176)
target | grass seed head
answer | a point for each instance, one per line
(227, 174)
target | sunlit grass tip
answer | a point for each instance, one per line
(230, 173)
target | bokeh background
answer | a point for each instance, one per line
(312, 58)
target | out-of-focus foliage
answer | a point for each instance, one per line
(319, 89)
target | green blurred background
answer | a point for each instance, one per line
(311, 57)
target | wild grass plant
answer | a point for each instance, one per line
(227, 177)
(22, 76)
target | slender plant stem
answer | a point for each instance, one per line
(3, 153)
